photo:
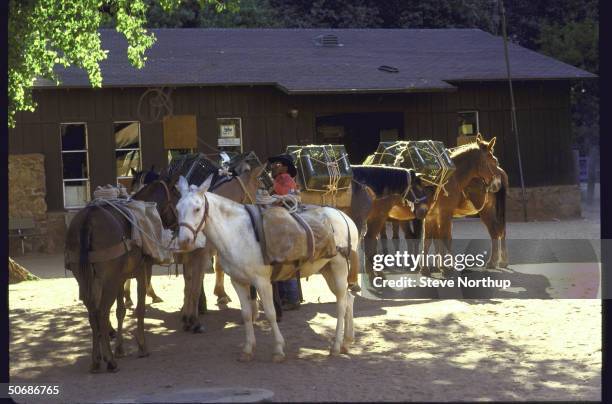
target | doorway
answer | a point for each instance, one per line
(359, 132)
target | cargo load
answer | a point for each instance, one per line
(427, 157)
(324, 174)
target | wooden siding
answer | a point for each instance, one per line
(542, 111)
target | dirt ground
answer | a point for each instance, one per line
(404, 350)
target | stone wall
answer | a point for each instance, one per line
(544, 203)
(27, 200)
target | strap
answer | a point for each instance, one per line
(105, 254)
(310, 238)
(255, 215)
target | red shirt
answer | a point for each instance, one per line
(283, 184)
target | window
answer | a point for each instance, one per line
(467, 123)
(127, 151)
(75, 164)
(176, 153)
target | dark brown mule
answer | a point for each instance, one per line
(390, 187)
(96, 244)
(474, 161)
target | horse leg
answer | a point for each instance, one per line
(503, 261)
(335, 276)
(395, 226)
(222, 297)
(264, 288)
(371, 243)
(276, 300)
(110, 290)
(126, 292)
(96, 356)
(445, 243)
(120, 311)
(187, 298)
(428, 234)
(202, 307)
(150, 291)
(197, 291)
(141, 280)
(247, 317)
(384, 238)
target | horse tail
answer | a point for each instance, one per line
(500, 205)
(85, 268)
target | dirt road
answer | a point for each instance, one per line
(404, 350)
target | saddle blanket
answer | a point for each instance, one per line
(290, 238)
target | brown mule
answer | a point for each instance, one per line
(489, 204)
(101, 256)
(474, 161)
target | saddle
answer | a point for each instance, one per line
(289, 239)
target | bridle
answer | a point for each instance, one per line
(487, 184)
(169, 205)
(199, 228)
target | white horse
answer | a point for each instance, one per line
(227, 225)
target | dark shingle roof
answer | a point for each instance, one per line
(293, 60)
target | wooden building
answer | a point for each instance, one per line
(265, 89)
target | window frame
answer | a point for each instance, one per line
(477, 120)
(86, 151)
(118, 177)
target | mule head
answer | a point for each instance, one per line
(192, 211)
(488, 164)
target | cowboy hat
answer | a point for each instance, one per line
(286, 160)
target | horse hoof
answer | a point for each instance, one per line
(278, 357)
(355, 288)
(129, 304)
(503, 264)
(245, 357)
(143, 353)
(344, 350)
(112, 367)
(198, 329)
(223, 300)
(112, 334)
(334, 352)
(157, 299)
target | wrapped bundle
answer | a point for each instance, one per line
(194, 167)
(427, 157)
(322, 168)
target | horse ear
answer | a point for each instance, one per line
(479, 137)
(491, 145)
(205, 185)
(183, 186)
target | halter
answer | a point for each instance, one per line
(415, 201)
(204, 216)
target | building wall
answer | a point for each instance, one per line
(542, 111)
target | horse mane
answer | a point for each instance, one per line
(383, 180)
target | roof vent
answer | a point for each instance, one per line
(388, 69)
(327, 40)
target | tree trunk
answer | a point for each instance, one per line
(17, 273)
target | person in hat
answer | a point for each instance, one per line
(283, 172)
